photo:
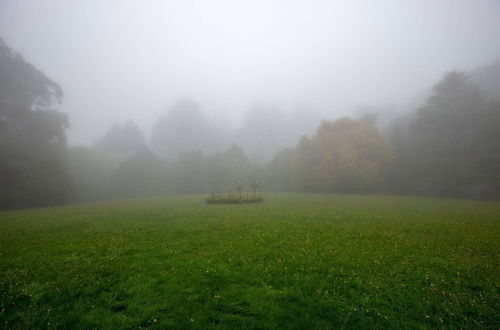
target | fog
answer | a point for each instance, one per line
(249, 164)
(103, 100)
(131, 60)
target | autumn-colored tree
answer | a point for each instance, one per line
(345, 155)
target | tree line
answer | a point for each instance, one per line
(450, 146)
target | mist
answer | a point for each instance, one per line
(265, 164)
(129, 99)
(132, 60)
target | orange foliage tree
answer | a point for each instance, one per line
(345, 155)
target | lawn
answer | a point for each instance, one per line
(295, 261)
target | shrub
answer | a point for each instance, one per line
(233, 200)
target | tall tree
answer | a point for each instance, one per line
(453, 146)
(32, 136)
(276, 173)
(346, 156)
(264, 130)
(230, 170)
(142, 175)
(122, 140)
(184, 128)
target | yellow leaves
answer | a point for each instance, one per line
(343, 154)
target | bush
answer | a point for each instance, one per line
(233, 200)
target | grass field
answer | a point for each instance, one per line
(294, 261)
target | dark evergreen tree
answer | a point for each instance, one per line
(32, 136)
(452, 145)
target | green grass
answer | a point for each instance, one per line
(294, 261)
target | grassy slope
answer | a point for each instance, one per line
(295, 261)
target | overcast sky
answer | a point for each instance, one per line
(118, 60)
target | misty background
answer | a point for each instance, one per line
(132, 60)
(122, 99)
